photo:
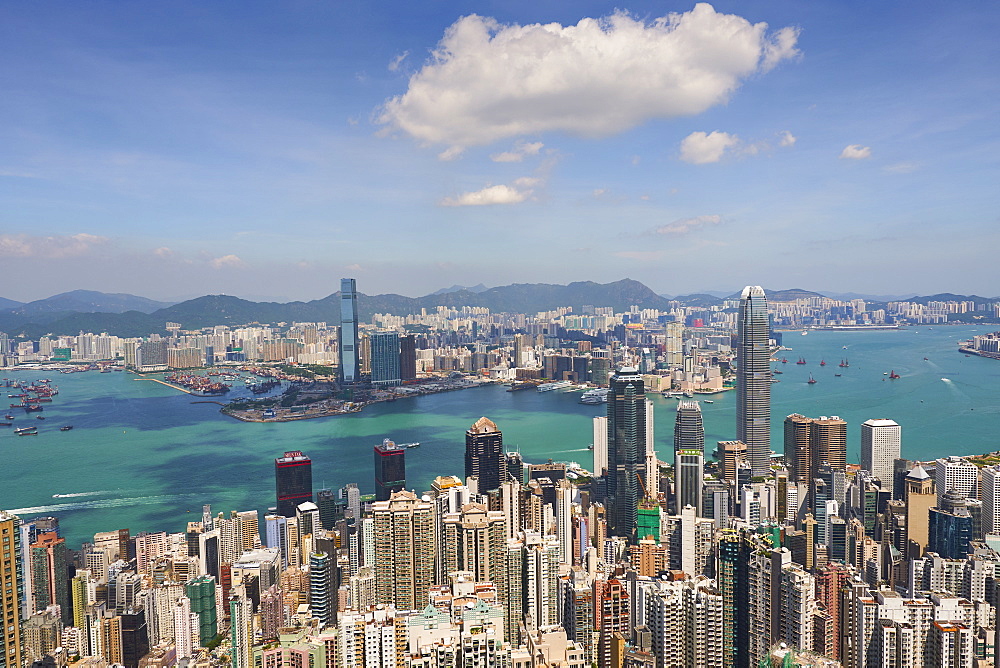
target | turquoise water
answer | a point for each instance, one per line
(142, 456)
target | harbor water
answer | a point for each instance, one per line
(142, 456)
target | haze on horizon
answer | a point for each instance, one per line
(267, 150)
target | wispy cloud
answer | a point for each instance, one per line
(519, 152)
(687, 225)
(856, 152)
(397, 62)
(49, 247)
(905, 167)
(227, 262)
(787, 139)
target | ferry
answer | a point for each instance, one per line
(557, 385)
(593, 397)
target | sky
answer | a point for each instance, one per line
(266, 149)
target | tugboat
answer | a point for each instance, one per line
(812, 381)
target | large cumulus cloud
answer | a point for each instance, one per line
(487, 81)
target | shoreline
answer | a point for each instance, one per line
(256, 415)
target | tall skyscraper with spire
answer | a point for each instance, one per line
(349, 366)
(689, 455)
(626, 448)
(753, 379)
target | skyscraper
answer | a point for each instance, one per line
(348, 331)
(404, 550)
(880, 445)
(626, 448)
(753, 379)
(390, 469)
(407, 357)
(293, 481)
(385, 358)
(814, 442)
(484, 455)
(689, 455)
(11, 590)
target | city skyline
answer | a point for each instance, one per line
(157, 151)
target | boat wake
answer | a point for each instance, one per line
(76, 494)
(96, 503)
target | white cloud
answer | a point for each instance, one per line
(856, 152)
(906, 167)
(686, 225)
(396, 62)
(787, 139)
(354, 267)
(487, 81)
(451, 153)
(699, 148)
(520, 152)
(163, 251)
(600, 192)
(501, 194)
(51, 247)
(226, 261)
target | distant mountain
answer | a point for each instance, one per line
(702, 299)
(458, 288)
(8, 303)
(949, 297)
(228, 310)
(789, 295)
(848, 296)
(87, 301)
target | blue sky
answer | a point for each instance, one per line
(267, 149)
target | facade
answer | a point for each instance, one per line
(626, 449)
(404, 550)
(811, 443)
(386, 370)
(956, 473)
(390, 469)
(407, 357)
(753, 379)
(689, 455)
(880, 447)
(293, 481)
(484, 456)
(12, 591)
(350, 367)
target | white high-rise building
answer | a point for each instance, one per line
(880, 445)
(958, 474)
(600, 445)
(990, 495)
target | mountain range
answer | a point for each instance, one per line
(129, 315)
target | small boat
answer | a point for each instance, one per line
(926, 360)
(590, 447)
(8, 417)
(843, 363)
(777, 372)
(822, 362)
(802, 360)
(39, 417)
(804, 333)
(837, 375)
(893, 375)
(28, 433)
(69, 426)
(812, 381)
(708, 401)
(784, 360)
